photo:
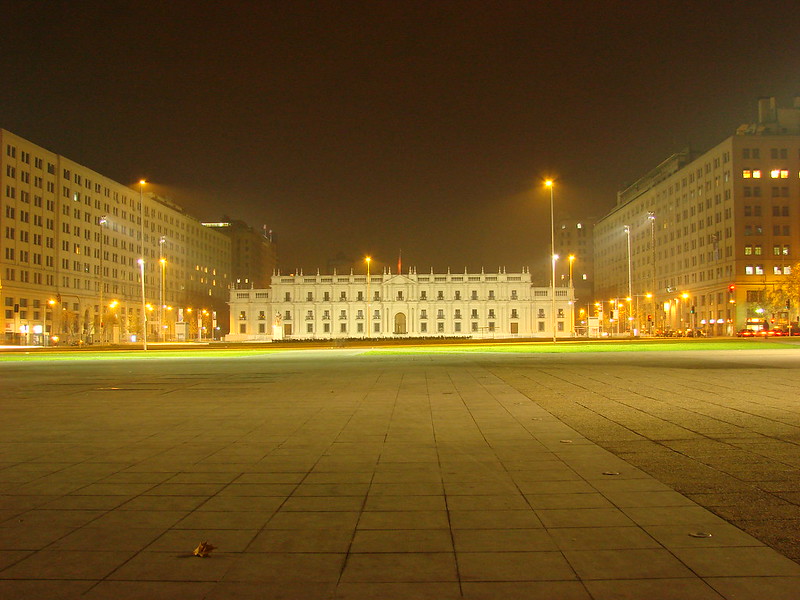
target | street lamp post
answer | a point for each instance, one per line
(102, 222)
(571, 259)
(651, 216)
(141, 262)
(630, 273)
(553, 256)
(162, 283)
(369, 312)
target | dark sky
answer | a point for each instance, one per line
(361, 128)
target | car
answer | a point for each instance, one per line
(745, 333)
(770, 333)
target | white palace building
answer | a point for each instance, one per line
(467, 305)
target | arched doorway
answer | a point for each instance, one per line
(400, 324)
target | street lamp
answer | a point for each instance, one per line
(571, 259)
(162, 283)
(102, 223)
(553, 256)
(651, 216)
(630, 272)
(141, 262)
(369, 313)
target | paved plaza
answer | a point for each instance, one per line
(355, 474)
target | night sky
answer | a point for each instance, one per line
(353, 128)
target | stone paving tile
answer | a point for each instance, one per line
(148, 590)
(313, 520)
(736, 562)
(652, 589)
(40, 589)
(514, 566)
(525, 590)
(404, 503)
(416, 519)
(488, 502)
(169, 566)
(402, 540)
(285, 590)
(400, 567)
(285, 567)
(684, 536)
(563, 501)
(638, 563)
(494, 519)
(299, 540)
(263, 504)
(398, 591)
(583, 517)
(672, 515)
(211, 520)
(601, 538)
(31, 538)
(75, 564)
(502, 540)
(408, 489)
(106, 539)
(756, 588)
(182, 541)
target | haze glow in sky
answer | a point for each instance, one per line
(355, 128)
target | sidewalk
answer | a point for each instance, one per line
(338, 477)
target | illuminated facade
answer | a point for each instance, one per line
(476, 305)
(712, 235)
(70, 242)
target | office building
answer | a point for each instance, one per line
(70, 244)
(711, 236)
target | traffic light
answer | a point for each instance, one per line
(692, 310)
(732, 288)
(58, 298)
(649, 317)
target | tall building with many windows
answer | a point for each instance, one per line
(253, 253)
(710, 236)
(70, 244)
(575, 265)
(476, 305)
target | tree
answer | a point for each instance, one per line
(784, 296)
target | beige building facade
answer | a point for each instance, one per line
(70, 244)
(704, 240)
(340, 306)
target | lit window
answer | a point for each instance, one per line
(757, 174)
(748, 270)
(784, 174)
(787, 270)
(776, 270)
(748, 250)
(747, 173)
(759, 269)
(775, 173)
